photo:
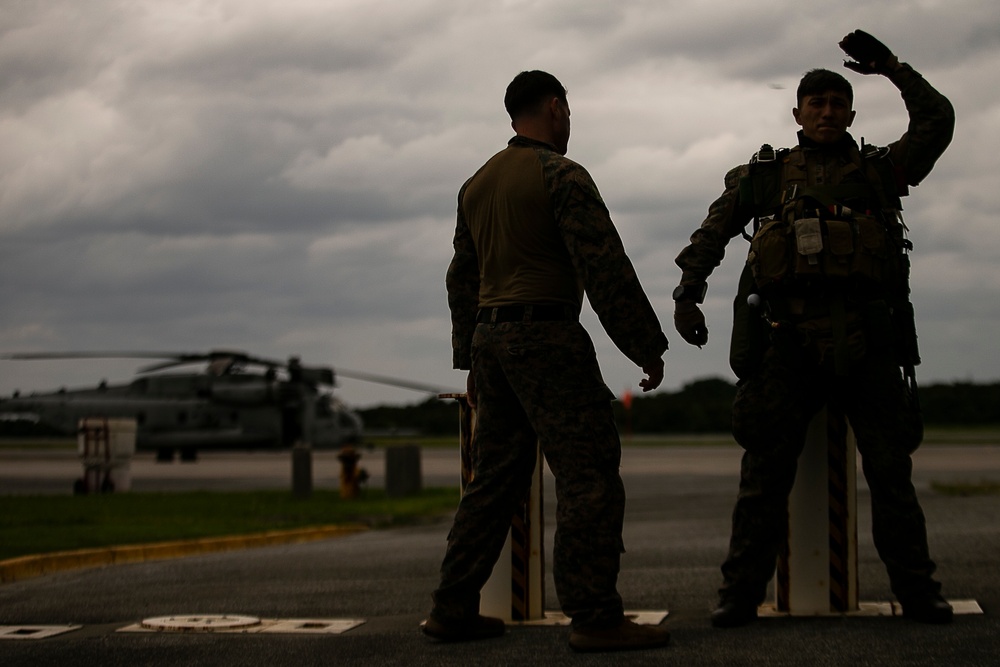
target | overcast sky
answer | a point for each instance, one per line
(280, 176)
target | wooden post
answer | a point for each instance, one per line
(817, 570)
(516, 589)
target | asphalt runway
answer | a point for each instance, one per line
(677, 524)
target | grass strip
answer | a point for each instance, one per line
(44, 524)
(967, 489)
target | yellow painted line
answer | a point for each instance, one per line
(26, 567)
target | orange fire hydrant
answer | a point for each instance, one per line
(351, 474)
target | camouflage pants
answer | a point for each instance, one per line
(539, 383)
(771, 414)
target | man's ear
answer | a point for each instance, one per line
(851, 120)
(795, 115)
(553, 106)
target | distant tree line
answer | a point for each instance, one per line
(432, 417)
(961, 404)
(701, 406)
(24, 428)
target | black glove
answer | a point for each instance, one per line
(870, 55)
(690, 323)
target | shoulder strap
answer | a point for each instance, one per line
(760, 189)
(883, 175)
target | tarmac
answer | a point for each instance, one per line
(358, 598)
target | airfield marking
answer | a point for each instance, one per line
(225, 624)
(235, 624)
(560, 619)
(34, 631)
(960, 607)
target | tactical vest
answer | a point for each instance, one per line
(838, 236)
(840, 230)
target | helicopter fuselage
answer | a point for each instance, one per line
(193, 412)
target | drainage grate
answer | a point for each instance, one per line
(34, 631)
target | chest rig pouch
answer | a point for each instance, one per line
(837, 232)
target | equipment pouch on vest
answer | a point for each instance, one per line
(809, 244)
(751, 334)
(872, 252)
(808, 238)
(768, 258)
(840, 239)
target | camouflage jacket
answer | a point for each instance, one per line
(931, 125)
(596, 255)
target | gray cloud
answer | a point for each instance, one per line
(281, 177)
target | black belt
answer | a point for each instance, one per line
(527, 313)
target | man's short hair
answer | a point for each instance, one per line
(819, 81)
(529, 90)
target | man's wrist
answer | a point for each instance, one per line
(891, 65)
(694, 292)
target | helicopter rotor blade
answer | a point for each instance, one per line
(391, 381)
(166, 364)
(170, 359)
(234, 357)
(44, 356)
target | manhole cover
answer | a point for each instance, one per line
(246, 625)
(204, 622)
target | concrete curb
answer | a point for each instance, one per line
(26, 567)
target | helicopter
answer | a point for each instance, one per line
(238, 401)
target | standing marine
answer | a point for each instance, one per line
(823, 316)
(533, 235)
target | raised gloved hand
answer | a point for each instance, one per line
(690, 323)
(870, 55)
